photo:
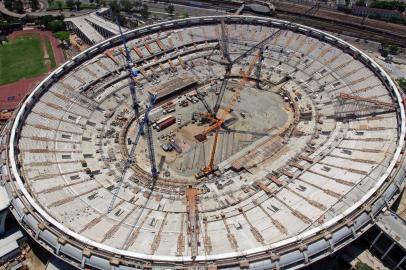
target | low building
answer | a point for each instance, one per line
(92, 28)
(9, 246)
(379, 13)
(173, 86)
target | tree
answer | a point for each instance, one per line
(115, 7)
(77, 4)
(138, 4)
(184, 14)
(384, 53)
(8, 4)
(4, 26)
(56, 25)
(170, 9)
(34, 4)
(126, 5)
(393, 49)
(18, 6)
(62, 35)
(45, 20)
(360, 3)
(402, 83)
(70, 4)
(144, 12)
(362, 266)
(60, 5)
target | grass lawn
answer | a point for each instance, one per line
(23, 58)
(51, 54)
(54, 6)
(402, 83)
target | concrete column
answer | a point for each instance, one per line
(399, 263)
(3, 215)
(4, 204)
(376, 239)
(387, 251)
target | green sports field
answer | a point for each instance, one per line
(22, 58)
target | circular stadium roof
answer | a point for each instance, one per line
(315, 132)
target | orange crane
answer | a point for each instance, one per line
(109, 54)
(345, 96)
(218, 121)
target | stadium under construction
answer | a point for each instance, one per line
(213, 142)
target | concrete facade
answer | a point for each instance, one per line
(4, 204)
(92, 28)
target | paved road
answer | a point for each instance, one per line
(190, 10)
(3, 10)
(66, 13)
(43, 5)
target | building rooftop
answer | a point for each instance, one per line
(4, 198)
(94, 27)
(84, 26)
(9, 243)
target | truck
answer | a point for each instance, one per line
(155, 114)
(163, 119)
(170, 109)
(175, 146)
(167, 123)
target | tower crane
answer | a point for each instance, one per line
(260, 45)
(131, 155)
(258, 66)
(132, 72)
(220, 120)
(224, 44)
(144, 121)
(224, 47)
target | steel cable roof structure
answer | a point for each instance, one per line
(312, 185)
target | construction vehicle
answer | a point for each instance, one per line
(220, 120)
(167, 123)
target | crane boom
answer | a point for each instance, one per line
(245, 75)
(131, 72)
(151, 151)
(224, 42)
(210, 167)
(258, 67)
(200, 96)
(222, 90)
(260, 45)
(345, 96)
(145, 121)
(224, 47)
(131, 156)
(220, 120)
